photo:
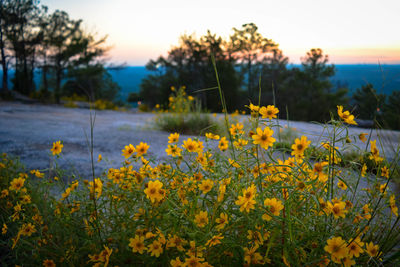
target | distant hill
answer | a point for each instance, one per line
(385, 78)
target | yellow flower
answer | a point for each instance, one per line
(236, 129)
(48, 263)
(99, 158)
(348, 262)
(154, 191)
(366, 212)
(176, 263)
(28, 229)
(337, 247)
(212, 136)
(255, 237)
(96, 187)
(355, 248)
(206, 186)
(338, 209)
(254, 108)
(240, 143)
(194, 261)
(173, 138)
(264, 137)
(363, 170)
(223, 144)
(372, 249)
(137, 244)
(4, 193)
(37, 173)
(177, 242)
(385, 172)
(141, 149)
(269, 112)
(173, 150)
(4, 229)
(342, 185)
(362, 137)
(215, 240)
(57, 147)
(300, 146)
(201, 219)
(346, 116)
(155, 248)
(375, 152)
(393, 207)
(16, 184)
(221, 221)
(251, 256)
(246, 202)
(274, 206)
(190, 145)
(128, 151)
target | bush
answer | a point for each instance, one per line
(241, 203)
(183, 115)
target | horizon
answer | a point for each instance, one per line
(356, 32)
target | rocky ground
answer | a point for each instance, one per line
(28, 131)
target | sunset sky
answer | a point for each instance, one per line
(349, 31)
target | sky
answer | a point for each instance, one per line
(349, 31)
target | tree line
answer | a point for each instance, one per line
(69, 59)
(249, 63)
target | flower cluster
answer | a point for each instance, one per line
(212, 201)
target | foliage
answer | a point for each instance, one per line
(32, 38)
(391, 111)
(190, 65)
(184, 115)
(367, 102)
(222, 201)
(312, 88)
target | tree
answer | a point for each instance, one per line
(24, 37)
(391, 111)
(367, 102)
(250, 49)
(308, 91)
(190, 64)
(4, 44)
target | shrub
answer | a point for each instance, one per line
(184, 115)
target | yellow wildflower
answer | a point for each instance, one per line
(57, 147)
(264, 137)
(137, 244)
(190, 145)
(206, 186)
(372, 249)
(221, 221)
(223, 144)
(300, 146)
(337, 247)
(274, 206)
(141, 149)
(201, 219)
(16, 184)
(269, 112)
(215, 240)
(155, 249)
(346, 116)
(154, 191)
(128, 151)
(173, 138)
